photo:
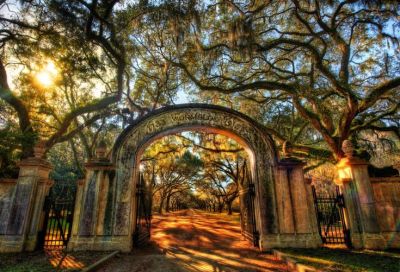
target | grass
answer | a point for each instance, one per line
(330, 259)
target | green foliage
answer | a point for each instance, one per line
(65, 172)
(64, 165)
(196, 169)
(190, 160)
(11, 144)
(314, 73)
(330, 73)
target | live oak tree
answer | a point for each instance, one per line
(224, 169)
(99, 79)
(189, 166)
(81, 40)
(314, 72)
(171, 169)
(334, 63)
(222, 180)
(209, 164)
(234, 171)
(219, 182)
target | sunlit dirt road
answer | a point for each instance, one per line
(196, 241)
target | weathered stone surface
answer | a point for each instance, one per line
(94, 208)
(87, 219)
(102, 203)
(295, 207)
(108, 213)
(22, 199)
(300, 203)
(78, 207)
(25, 207)
(134, 139)
(284, 203)
(309, 240)
(371, 208)
(6, 193)
(387, 203)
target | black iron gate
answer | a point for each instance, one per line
(143, 212)
(248, 218)
(330, 216)
(59, 210)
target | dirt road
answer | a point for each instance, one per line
(195, 241)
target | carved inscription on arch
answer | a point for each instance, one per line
(201, 117)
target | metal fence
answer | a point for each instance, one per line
(330, 216)
(59, 211)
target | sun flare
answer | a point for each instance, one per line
(47, 75)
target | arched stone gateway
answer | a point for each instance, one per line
(284, 216)
(106, 206)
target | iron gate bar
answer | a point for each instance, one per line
(143, 213)
(252, 193)
(58, 221)
(248, 218)
(330, 217)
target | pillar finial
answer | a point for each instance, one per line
(101, 150)
(348, 149)
(39, 149)
(287, 149)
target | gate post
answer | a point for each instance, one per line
(92, 223)
(26, 215)
(360, 209)
(296, 212)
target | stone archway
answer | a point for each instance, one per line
(105, 209)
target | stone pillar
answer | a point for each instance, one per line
(296, 212)
(92, 224)
(311, 205)
(25, 218)
(358, 195)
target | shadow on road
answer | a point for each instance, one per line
(196, 241)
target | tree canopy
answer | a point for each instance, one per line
(332, 65)
(315, 73)
(207, 170)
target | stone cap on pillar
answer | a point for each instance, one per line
(291, 163)
(348, 149)
(345, 165)
(350, 155)
(100, 161)
(101, 150)
(288, 161)
(99, 164)
(39, 151)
